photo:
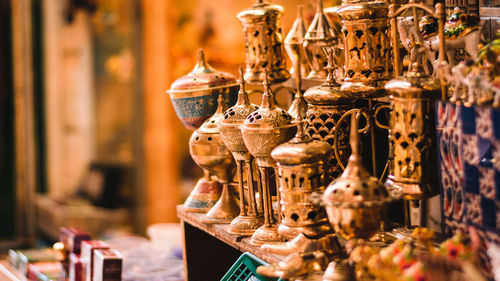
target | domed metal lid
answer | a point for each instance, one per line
(242, 108)
(210, 126)
(260, 11)
(268, 115)
(415, 84)
(355, 187)
(301, 149)
(320, 28)
(203, 77)
(329, 92)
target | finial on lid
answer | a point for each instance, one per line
(330, 79)
(201, 62)
(221, 104)
(267, 97)
(242, 94)
(300, 11)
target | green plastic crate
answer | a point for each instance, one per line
(245, 268)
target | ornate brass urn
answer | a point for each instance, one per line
(209, 152)
(263, 130)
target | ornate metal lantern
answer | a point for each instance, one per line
(294, 44)
(366, 47)
(302, 164)
(264, 42)
(234, 117)
(263, 130)
(209, 152)
(412, 154)
(326, 105)
(319, 37)
(355, 201)
(194, 97)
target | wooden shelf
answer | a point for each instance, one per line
(210, 251)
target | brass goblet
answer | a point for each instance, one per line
(210, 153)
(263, 130)
(249, 219)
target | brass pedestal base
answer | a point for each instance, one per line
(245, 225)
(266, 235)
(225, 210)
(204, 196)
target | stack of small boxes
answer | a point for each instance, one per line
(81, 259)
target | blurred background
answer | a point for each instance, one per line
(88, 135)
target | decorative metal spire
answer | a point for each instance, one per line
(221, 105)
(267, 97)
(242, 94)
(330, 79)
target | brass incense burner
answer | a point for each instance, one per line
(294, 44)
(355, 201)
(302, 165)
(264, 42)
(366, 47)
(319, 37)
(249, 218)
(326, 105)
(194, 97)
(209, 152)
(263, 130)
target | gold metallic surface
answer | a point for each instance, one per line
(209, 152)
(263, 130)
(412, 148)
(412, 135)
(366, 46)
(204, 195)
(319, 38)
(327, 243)
(294, 45)
(296, 266)
(248, 219)
(194, 95)
(326, 105)
(264, 42)
(298, 108)
(355, 201)
(302, 163)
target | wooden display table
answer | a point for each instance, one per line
(210, 251)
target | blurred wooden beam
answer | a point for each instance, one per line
(161, 155)
(23, 117)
